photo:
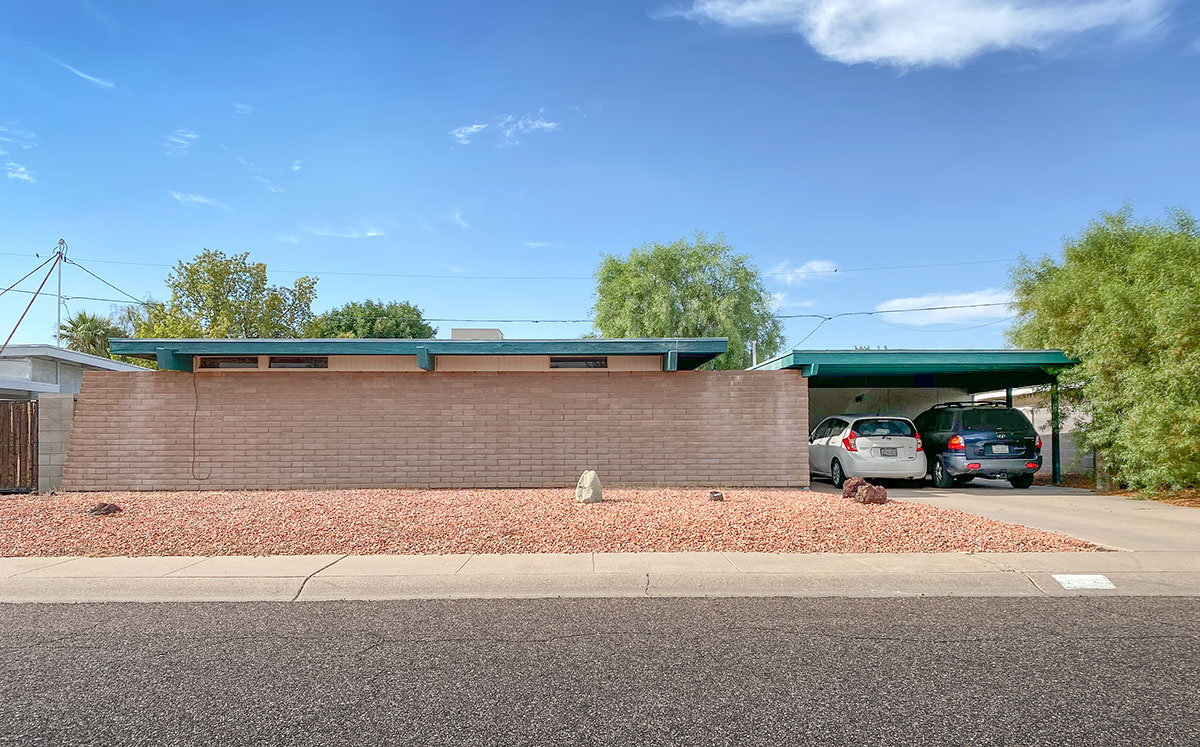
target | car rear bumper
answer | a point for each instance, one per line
(899, 468)
(957, 465)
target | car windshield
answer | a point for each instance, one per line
(883, 427)
(988, 419)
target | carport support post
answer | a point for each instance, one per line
(1008, 397)
(1055, 461)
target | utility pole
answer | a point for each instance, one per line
(62, 251)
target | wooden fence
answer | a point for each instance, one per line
(18, 447)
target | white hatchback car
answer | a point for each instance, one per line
(844, 446)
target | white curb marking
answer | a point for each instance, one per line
(1083, 581)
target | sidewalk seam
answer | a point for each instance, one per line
(41, 567)
(1035, 583)
(184, 568)
(458, 570)
(322, 568)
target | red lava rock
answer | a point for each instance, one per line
(411, 522)
(861, 491)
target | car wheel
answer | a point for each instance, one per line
(839, 477)
(941, 478)
(1021, 482)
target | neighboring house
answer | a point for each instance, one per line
(38, 385)
(1035, 403)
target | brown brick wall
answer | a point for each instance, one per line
(326, 429)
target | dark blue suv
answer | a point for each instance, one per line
(965, 440)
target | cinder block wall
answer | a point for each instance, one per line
(324, 429)
(55, 413)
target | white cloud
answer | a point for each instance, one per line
(193, 200)
(537, 244)
(975, 300)
(462, 135)
(271, 186)
(11, 133)
(19, 172)
(295, 166)
(243, 109)
(259, 175)
(367, 232)
(457, 217)
(289, 238)
(814, 269)
(89, 78)
(783, 301)
(930, 33)
(179, 141)
(508, 128)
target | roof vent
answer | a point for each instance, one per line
(476, 334)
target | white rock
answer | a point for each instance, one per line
(588, 489)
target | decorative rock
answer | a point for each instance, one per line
(588, 488)
(861, 491)
(716, 495)
(104, 509)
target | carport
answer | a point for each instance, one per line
(906, 382)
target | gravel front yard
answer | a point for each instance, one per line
(411, 522)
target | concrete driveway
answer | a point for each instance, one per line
(1112, 521)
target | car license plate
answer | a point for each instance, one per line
(887, 451)
(1000, 448)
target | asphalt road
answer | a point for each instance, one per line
(605, 671)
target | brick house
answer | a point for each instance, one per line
(347, 413)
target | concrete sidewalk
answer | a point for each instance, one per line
(379, 577)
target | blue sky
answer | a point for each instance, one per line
(469, 139)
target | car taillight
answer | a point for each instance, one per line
(955, 444)
(1039, 443)
(918, 442)
(848, 441)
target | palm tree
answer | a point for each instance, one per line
(88, 333)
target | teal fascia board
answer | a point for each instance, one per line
(169, 361)
(424, 359)
(690, 352)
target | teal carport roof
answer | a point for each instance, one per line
(973, 370)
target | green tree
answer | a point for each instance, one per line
(216, 295)
(697, 289)
(394, 320)
(88, 333)
(1125, 301)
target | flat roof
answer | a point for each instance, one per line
(688, 352)
(972, 370)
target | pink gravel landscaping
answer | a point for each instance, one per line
(408, 522)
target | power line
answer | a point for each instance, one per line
(57, 259)
(26, 275)
(585, 321)
(102, 280)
